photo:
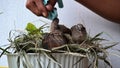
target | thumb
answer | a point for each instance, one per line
(50, 5)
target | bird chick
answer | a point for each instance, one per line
(55, 38)
(79, 33)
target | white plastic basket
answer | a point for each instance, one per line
(66, 61)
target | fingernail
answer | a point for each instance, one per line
(49, 7)
(44, 14)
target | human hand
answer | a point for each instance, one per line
(38, 8)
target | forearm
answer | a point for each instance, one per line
(109, 9)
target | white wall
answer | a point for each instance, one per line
(16, 16)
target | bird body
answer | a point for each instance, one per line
(55, 38)
(79, 33)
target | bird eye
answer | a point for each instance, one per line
(83, 29)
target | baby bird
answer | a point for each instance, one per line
(55, 38)
(79, 33)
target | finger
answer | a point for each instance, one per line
(31, 6)
(41, 7)
(50, 5)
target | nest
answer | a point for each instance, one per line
(75, 41)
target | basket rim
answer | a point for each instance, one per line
(30, 54)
